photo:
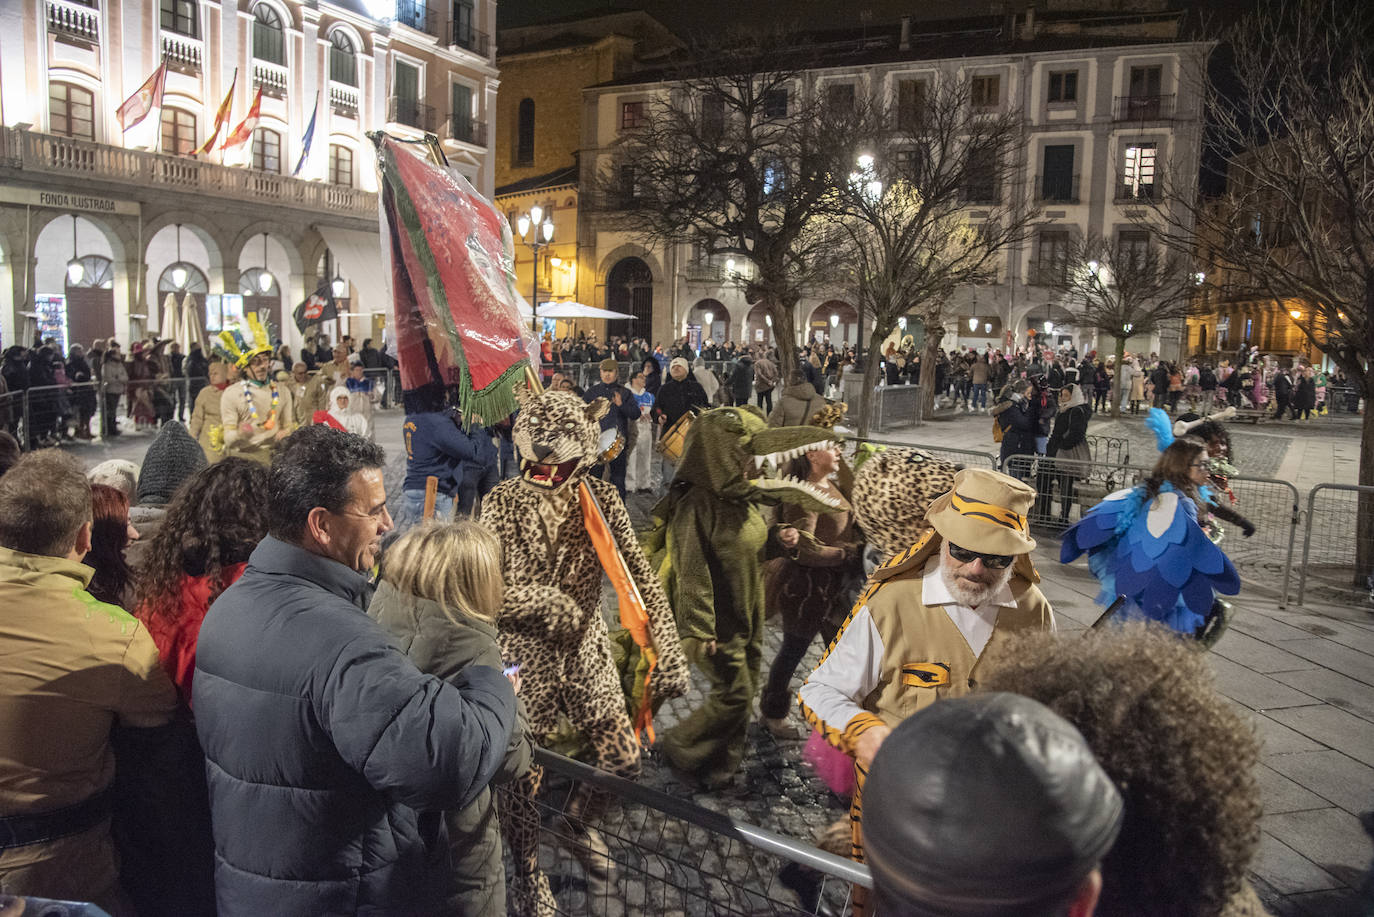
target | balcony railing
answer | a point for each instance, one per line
(85, 161)
(419, 15)
(270, 78)
(707, 271)
(343, 100)
(400, 110)
(182, 52)
(1144, 108)
(469, 39)
(1056, 189)
(1127, 191)
(73, 19)
(467, 130)
(1049, 273)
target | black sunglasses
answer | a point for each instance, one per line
(991, 561)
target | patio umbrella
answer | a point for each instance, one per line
(170, 328)
(192, 329)
(576, 310)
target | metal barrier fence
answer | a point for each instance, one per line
(674, 857)
(1333, 543)
(1110, 450)
(1063, 485)
(896, 406)
(969, 458)
(1342, 399)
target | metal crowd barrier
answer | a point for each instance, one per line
(969, 458)
(1274, 508)
(1336, 553)
(896, 406)
(1083, 483)
(674, 857)
(1342, 399)
(1110, 450)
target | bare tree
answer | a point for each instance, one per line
(906, 234)
(1293, 118)
(732, 157)
(1125, 287)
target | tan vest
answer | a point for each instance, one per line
(925, 657)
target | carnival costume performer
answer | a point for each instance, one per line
(1212, 431)
(707, 544)
(255, 411)
(1148, 544)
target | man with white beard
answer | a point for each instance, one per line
(927, 617)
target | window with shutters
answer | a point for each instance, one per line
(840, 96)
(343, 59)
(633, 115)
(460, 105)
(712, 116)
(985, 92)
(1056, 177)
(1064, 86)
(1132, 249)
(1051, 257)
(1138, 172)
(341, 165)
(911, 104)
(71, 111)
(180, 16)
(980, 178)
(775, 103)
(269, 41)
(178, 131)
(267, 150)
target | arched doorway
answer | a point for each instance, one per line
(90, 301)
(833, 322)
(630, 289)
(758, 326)
(717, 328)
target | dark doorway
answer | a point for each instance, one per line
(630, 289)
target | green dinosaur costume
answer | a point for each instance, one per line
(707, 544)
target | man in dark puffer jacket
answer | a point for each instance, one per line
(329, 755)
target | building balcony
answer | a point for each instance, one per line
(706, 271)
(80, 163)
(469, 39)
(1143, 108)
(270, 78)
(418, 15)
(1056, 189)
(410, 113)
(466, 130)
(343, 100)
(1048, 274)
(1130, 192)
(182, 52)
(73, 19)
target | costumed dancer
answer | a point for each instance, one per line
(1147, 544)
(707, 544)
(1212, 431)
(256, 411)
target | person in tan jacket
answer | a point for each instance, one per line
(921, 627)
(205, 424)
(74, 669)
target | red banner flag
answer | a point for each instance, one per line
(246, 126)
(221, 117)
(148, 97)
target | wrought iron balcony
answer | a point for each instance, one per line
(1056, 189)
(80, 161)
(706, 271)
(467, 130)
(74, 19)
(1144, 108)
(1139, 190)
(411, 113)
(469, 39)
(418, 15)
(1048, 273)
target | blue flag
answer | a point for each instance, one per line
(309, 135)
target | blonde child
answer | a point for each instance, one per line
(439, 593)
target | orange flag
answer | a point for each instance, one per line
(246, 126)
(221, 117)
(634, 615)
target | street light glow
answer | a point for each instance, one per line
(536, 214)
(1049, 326)
(973, 323)
(707, 316)
(730, 265)
(865, 161)
(75, 271)
(178, 276)
(548, 230)
(1296, 313)
(834, 320)
(1092, 266)
(523, 224)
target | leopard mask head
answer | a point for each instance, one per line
(557, 435)
(892, 490)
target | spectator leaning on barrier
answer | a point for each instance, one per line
(74, 669)
(328, 713)
(1007, 814)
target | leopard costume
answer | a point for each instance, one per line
(551, 622)
(892, 490)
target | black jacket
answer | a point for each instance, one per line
(677, 398)
(620, 417)
(328, 754)
(1070, 429)
(742, 379)
(1018, 428)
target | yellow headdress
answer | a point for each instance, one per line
(240, 351)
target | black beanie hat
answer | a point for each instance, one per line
(172, 457)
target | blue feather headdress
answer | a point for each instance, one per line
(1157, 422)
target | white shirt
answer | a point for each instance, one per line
(852, 669)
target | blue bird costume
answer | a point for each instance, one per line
(1154, 553)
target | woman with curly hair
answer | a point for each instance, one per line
(1182, 756)
(111, 534)
(212, 524)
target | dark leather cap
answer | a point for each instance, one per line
(984, 805)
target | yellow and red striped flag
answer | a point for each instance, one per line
(221, 117)
(246, 126)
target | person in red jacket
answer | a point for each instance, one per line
(212, 525)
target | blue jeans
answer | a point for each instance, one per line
(413, 508)
(980, 395)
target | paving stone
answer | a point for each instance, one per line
(1256, 691)
(1333, 688)
(1335, 655)
(1275, 738)
(1336, 777)
(1269, 627)
(1260, 655)
(1280, 794)
(1332, 727)
(1332, 839)
(1287, 871)
(1336, 902)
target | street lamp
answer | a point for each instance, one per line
(1296, 313)
(338, 285)
(264, 276)
(541, 237)
(75, 269)
(1049, 326)
(179, 269)
(987, 327)
(707, 317)
(973, 323)
(834, 320)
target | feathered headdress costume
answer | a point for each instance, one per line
(234, 347)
